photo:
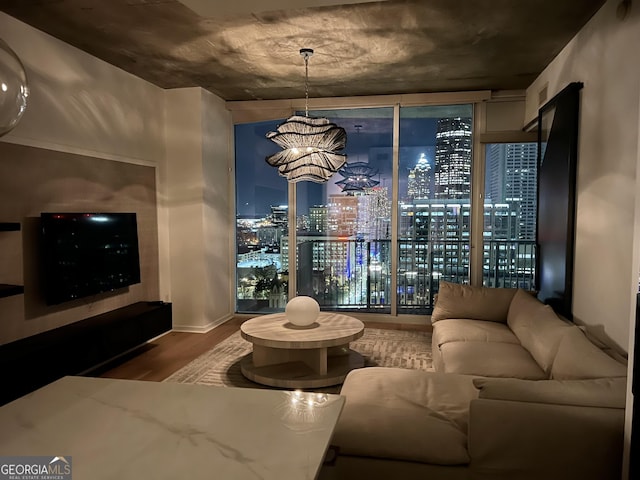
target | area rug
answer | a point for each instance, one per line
(220, 366)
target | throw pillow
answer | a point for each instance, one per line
(479, 303)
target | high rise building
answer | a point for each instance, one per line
(512, 179)
(508, 261)
(495, 170)
(452, 172)
(318, 219)
(342, 215)
(419, 183)
(433, 246)
(374, 214)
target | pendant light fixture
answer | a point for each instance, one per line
(14, 89)
(357, 177)
(310, 145)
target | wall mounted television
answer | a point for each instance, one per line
(88, 253)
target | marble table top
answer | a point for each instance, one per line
(128, 429)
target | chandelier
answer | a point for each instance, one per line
(309, 144)
(357, 177)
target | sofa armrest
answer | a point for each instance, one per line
(596, 392)
(530, 441)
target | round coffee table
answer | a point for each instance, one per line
(288, 356)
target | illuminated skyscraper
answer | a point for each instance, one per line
(318, 219)
(419, 184)
(512, 179)
(452, 179)
(374, 214)
(342, 215)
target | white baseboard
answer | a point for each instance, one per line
(204, 328)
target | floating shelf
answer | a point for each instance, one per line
(9, 290)
(9, 226)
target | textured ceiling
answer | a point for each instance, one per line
(389, 47)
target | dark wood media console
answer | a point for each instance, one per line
(30, 363)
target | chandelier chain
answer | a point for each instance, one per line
(306, 86)
(310, 145)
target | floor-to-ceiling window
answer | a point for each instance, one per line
(344, 225)
(434, 178)
(380, 235)
(261, 222)
(510, 210)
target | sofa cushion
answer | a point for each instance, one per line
(479, 303)
(600, 392)
(464, 330)
(405, 415)
(578, 358)
(537, 327)
(495, 359)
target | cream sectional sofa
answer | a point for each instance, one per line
(517, 393)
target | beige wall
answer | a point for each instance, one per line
(505, 111)
(198, 132)
(80, 104)
(184, 186)
(606, 273)
(219, 209)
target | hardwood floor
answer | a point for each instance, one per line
(160, 358)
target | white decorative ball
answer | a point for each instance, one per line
(302, 311)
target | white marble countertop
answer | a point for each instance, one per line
(127, 429)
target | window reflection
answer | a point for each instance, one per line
(344, 225)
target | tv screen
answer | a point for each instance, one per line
(88, 253)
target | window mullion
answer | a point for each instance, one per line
(477, 195)
(292, 285)
(394, 210)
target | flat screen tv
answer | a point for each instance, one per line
(88, 253)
